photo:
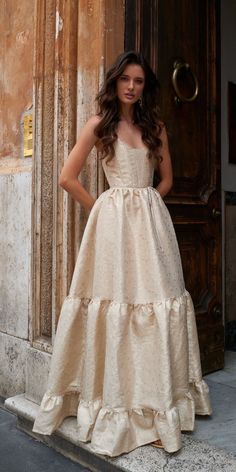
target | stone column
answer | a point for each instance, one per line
(100, 40)
(74, 43)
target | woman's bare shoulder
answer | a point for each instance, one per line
(93, 121)
(90, 125)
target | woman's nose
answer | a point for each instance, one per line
(131, 85)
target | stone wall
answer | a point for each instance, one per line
(54, 56)
(16, 77)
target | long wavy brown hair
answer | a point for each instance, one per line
(146, 115)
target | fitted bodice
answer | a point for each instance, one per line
(130, 167)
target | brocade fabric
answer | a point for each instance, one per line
(126, 356)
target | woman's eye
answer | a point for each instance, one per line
(123, 78)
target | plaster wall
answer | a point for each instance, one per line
(16, 73)
(16, 85)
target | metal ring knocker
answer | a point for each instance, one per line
(178, 65)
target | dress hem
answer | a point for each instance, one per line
(124, 429)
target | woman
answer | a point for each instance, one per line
(126, 357)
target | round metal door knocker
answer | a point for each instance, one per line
(179, 66)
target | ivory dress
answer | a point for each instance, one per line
(126, 356)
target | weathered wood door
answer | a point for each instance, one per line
(180, 40)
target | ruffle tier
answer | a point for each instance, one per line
(113, 431)
(130, 373)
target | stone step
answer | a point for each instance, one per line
(195, 455)
(64, 440)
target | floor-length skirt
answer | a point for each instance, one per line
(126, 357)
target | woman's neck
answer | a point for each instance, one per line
(126, 114)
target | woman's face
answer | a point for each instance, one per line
(130, 84)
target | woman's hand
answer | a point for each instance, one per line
(165, 166)
(69, 175)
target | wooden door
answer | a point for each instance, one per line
(181, 38)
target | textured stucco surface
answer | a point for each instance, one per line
(16, 89)
(12, 365)
(16, 71)
(15, 248)
(37, 369)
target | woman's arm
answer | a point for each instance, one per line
(69, 175)
(165, 167)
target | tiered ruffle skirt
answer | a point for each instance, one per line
(126, 357)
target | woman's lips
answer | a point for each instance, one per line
(129, 95)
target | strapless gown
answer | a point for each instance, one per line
(126, 356)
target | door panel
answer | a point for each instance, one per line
(187, 32)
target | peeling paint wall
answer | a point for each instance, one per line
(16, 73)
(16, 89)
